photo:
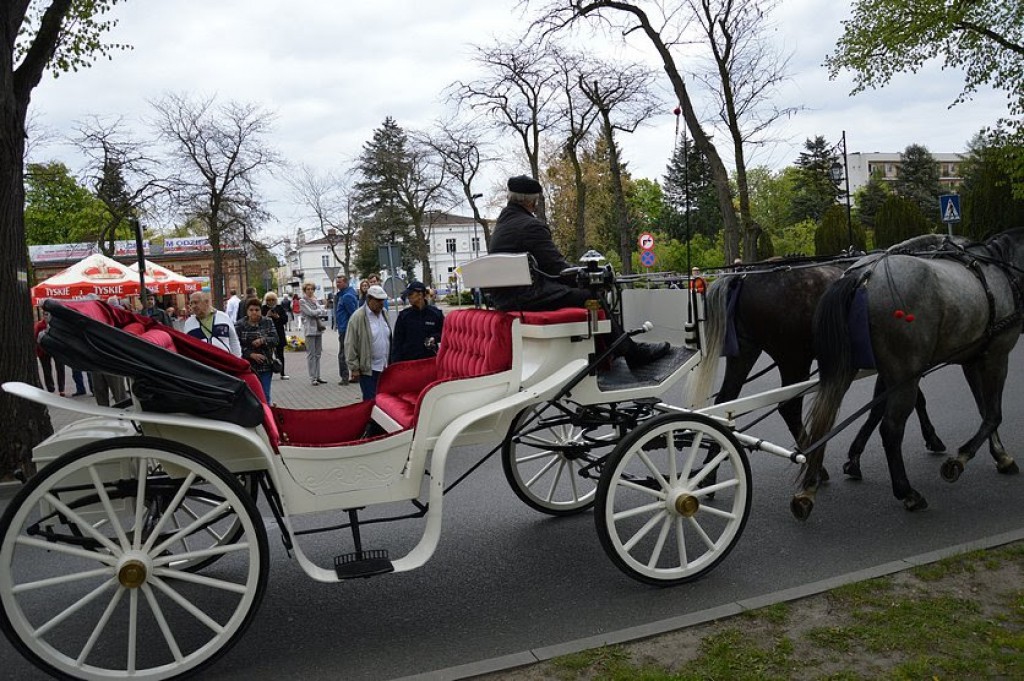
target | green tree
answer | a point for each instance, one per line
(983, 39)
(384, 164)
(918, 180)
(869, 198)
(986, 193)
(62, 35)
(58, 209)
(813, 190)
(898, 220)
(833, 234)
(689, 175)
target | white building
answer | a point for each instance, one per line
(887, 165)
(453, 240)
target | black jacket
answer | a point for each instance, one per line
(517, 230)
(412, 329)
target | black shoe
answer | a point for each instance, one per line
(643, 354)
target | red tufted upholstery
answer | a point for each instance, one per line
(323, 427)
(474, 343)
(566, 315)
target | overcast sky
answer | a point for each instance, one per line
(332, 71)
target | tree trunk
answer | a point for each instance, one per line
(619, 196)
(580, 228)
(26, 423)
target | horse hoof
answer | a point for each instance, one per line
(852, 471)
(915, 502)
(935, 446)
(951, 470)
(801, 506)
(1008, 469)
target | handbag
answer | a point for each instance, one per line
(276, 366)
(320, 326)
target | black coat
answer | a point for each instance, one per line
(412, 329)
(517, 230)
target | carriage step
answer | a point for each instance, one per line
(363, 564)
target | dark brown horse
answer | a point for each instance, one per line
(771, 310)
(957, 304)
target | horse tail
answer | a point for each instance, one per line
(836, 369)
(700, 385)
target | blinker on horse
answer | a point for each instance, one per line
(961, 304)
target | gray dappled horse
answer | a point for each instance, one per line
(960, 304)
(771, 310)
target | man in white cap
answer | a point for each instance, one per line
(518, 230)
(368, 342)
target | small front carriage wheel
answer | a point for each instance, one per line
(95, 562)
(673, 499)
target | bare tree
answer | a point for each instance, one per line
(462, 154)
(624, 91)
(123, 174)
(421, 187)
(219, 153)
(625, 18)
(745, 73)
(519, 93)
(330, 199)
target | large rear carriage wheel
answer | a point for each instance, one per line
(97, 561)
(673, 499)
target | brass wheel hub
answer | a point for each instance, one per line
(687, 505)
(132, 573)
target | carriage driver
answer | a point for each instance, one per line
(518, 230)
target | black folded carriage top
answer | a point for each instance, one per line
(171, 372)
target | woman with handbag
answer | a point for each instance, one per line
(258, 338)
(278, 313)
(313, 314)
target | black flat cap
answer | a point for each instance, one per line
(524, 184)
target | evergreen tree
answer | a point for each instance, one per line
(833, 234)
(112, 190)
(918, 180)
(383, 165)
(870, 198)
(690, 174)
(986, 193)
(814, 190)
(899, 219)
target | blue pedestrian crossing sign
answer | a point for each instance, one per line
(949, 207)
(647, 258)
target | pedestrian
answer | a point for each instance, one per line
(313, 316)
(278, 313)
(345, 304)
(296, 312)
(210, 325)
(364, 286)
(48, 362)
(155, 312)
(368, 342)
(231, 306)
(418, 327)
(518, 230)
(258, 337)
(250, 293)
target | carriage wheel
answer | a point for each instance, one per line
(117, 598)
(668, 514)
(552, 464)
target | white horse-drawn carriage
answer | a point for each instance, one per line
(138, 549)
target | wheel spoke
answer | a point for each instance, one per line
(537, 455)
(557, 478)
(701, 533)
(629, 484)
(169, 512)
(188, 606)
(544, 469)
(101, 624)
(711, 510)
(691, 455)
(63, 579)
(85, 525)
(140, 503)
(680, 541)
(168, 573)
(671, 453)
(191, 527)
(694, 483)
(165, 560)
(642, 532)
(654, 470)
(101, 490)
(638, 510)
(133, 629)
(74, 607)
(572, 481)
(106, 558)
(161, 621)
(660, 544)
(717, 487)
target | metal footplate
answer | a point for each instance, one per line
(363, 564)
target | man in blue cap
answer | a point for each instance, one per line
(418, 327)
(518, 230)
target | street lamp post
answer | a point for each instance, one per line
(476, 243)
(841, 172)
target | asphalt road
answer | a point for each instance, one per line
(506, 580)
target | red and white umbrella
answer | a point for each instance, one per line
(93, 275)
(165, 280)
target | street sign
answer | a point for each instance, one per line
(647, 258)
(331, 272)
(646, 241)
(949, 207)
